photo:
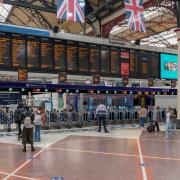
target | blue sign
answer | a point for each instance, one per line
(169, 66)
(57, 178)
(10, 98)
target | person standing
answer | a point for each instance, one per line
(37, 124)
(156, 117)
(142, 116)
(27, 134)
(101, 114)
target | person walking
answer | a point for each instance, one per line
(27, 133)
(169, 116)
(37, 124)
(101, 114)
(142, 116)
(156, 117)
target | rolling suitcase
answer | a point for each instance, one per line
(151, 127)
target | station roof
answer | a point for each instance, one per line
(160, 20)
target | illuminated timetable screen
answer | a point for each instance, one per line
(105, 60)
(46, 54)
(60, 55)
(18, 51)
(5, 50)
(33, 53)
(94, 58)
(83, 58)
(72, 55)
(115, 61)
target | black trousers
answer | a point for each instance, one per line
(19, 130)
(156, 125)
(102, 120)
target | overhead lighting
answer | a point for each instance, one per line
(10, 89)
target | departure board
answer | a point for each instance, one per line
(124, 54)
(46, 54)
(115, 61)
(105, 60)
(60, 55)
(5, 50)
(18, 52)
(72, 55)
(94, 58)
(154, 68)
(134, 63)
(143, 64)
(33, 53)
(83, 57)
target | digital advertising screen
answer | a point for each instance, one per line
(83, 57)
(60, 55)
(169, 66)
(124, 54)
(5, 50)
(124, 69)
(18, 52)
(33, 53)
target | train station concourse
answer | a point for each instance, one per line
(89, 89)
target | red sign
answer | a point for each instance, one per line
(125, 69)
(125, 54)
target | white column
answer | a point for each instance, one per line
(178, 83)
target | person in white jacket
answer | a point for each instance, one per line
(37, 124)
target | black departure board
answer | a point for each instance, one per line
(33, 49)
(154, 65)
(134, 63)
(105, 60)
(83, 57)
(18, 52)
(144, 57)
(60, 55)
(5, 50)
(115, 61)
(124, 54)
(72, 55)
(47, 54)
(94, 55)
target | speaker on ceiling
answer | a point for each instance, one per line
(56, 29)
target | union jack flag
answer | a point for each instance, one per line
(134, 11)
(71, 10)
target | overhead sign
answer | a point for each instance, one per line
(10, 98)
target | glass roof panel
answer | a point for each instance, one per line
(5, 10)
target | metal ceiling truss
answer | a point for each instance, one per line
(42, 5)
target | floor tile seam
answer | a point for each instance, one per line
(27, 161)
(161, 158)
(164, 140)
(96, 152)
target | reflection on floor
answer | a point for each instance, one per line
(131, 154)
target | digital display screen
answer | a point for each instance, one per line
(94, 58)
(169, 66)
(124, 54)
(134, 64)
(115, 61)
(144, 61)
(105, 60)
(18, 51)
(46, 54)
(60, 55)
(4, 50)
(33, 53)
(83, 58)
(72, 55)
(154, 61)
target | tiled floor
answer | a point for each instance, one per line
(122, 154)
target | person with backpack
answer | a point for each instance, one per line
(37, 124)
(142, 116)
(156, 117)
(27, 133)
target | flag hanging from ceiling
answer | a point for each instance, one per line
(1, 1)
(134, 12)
(71, 10)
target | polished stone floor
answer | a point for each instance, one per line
(122, 154)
